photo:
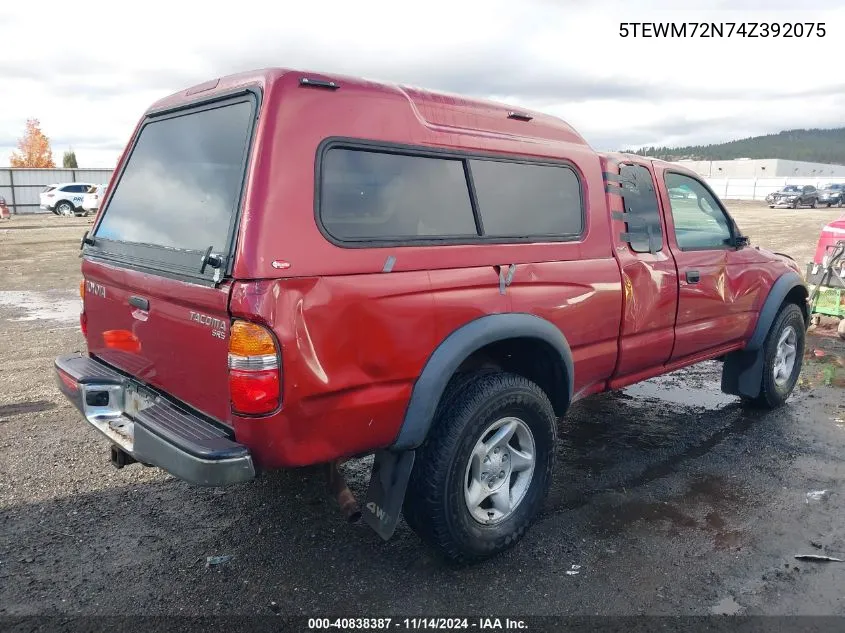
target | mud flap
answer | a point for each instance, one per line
(388, 481)
(742, 373)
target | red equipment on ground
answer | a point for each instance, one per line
(826, 275)
(830, 234)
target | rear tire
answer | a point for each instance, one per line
(65, 208)
(783, 354)
(494, 441)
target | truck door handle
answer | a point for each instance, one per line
(140, 302)
(693, 277)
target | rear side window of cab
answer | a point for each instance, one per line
(383, 195)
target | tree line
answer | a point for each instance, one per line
(813, 145)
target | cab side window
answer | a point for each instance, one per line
(642, 216)
(700, 223)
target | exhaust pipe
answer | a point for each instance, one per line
(342, 494)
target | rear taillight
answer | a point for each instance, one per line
(83, 319)
(254, 371)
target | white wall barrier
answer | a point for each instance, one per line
(759, 188)
(21, 186)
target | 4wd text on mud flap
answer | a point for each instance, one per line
(218, 326)
(380, 514)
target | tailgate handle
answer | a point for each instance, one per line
(140, 302)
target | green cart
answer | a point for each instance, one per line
(826, 283)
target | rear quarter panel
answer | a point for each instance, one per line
(352, 347)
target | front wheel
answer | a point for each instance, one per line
(783, 355)
(482, 476)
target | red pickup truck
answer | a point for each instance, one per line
(293, 269)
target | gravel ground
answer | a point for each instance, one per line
(670, 497)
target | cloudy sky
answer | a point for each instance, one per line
(88, 69)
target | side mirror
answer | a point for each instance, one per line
(741, 241)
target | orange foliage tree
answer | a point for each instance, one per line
(33, 148)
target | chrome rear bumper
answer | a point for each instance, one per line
(150, 428)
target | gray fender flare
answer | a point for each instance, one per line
(457, 347)
(742, 374)
(392, 467)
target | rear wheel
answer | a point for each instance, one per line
(481, 477)
(783, 354)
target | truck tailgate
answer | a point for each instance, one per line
(169, 334)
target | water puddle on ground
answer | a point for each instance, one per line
(49, 305)
(706, 396)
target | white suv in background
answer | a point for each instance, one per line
(64, 198)
(91, 200)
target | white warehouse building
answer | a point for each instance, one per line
(763, 168)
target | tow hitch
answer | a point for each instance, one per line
(120, 458)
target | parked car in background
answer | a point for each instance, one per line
(64, 198)
(91, 200)
(794, 196)
(681, 193)
(833, 194)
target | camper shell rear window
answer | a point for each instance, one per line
(179, 192)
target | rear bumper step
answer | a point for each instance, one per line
(149, 428)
